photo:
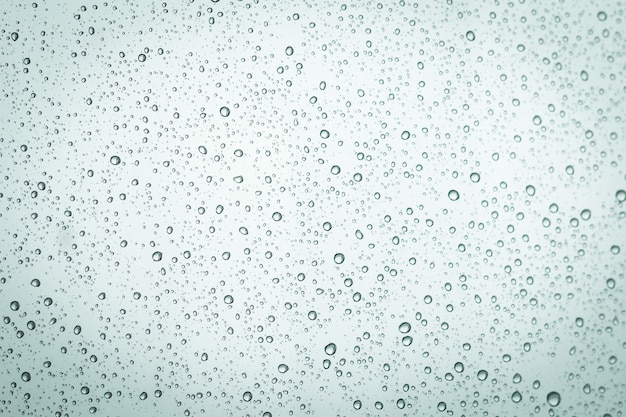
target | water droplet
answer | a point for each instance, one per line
(620, 196)
(585, 214)
(400, 403)
(475, 177)
(327, 226)
(339, 258)
(470, 36)
(84, 390)
(229, 299)
(289, 51)
(601, 16)
(357, 404)
(404, 327)
(554, 399)
(143, 395)
(25, 376)
(77, 330)
(615, 249)
(277, 216)
(482, 375)
(330, 349)
(225, 111)
(324, 134)
(536, 120)
(141, 58)
(282, 368)
(407, 340)
(453, 195)
(584, 75)
(312, 315)
(35, 282)
(15, 305)
(442, 406)
(115, 160)
(516, 397)
(459, 367)
(157, 256)
(405, 135)
(247, 396)
(335, 170)
(15, 36)
(530, 190)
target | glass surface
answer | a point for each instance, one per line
(254, 208)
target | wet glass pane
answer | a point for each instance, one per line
(255, 208)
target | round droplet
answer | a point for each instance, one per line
(530, 190)
(401, 403)
(404, 327)
(459, 367)
(157, 256)
(229, 299)
(327, 226)
(601, 16)
(554, 399)
(277, 216)
(35, 282)
(282, 368)
(620, 196)
(312, 315)
(335, 170)
(453, 195)
(470, 36)
(25, 376)
(442, 406)
(225, 111)
(77, 330)
(289, 51)
(569, 170)
(579, 322)
(585, 214)
(536, 120)
(141, 58)
(482, 375)
(15, 36)
(475, 177)
(84, 390)
(143, 396)
(330, 349)
(516, 397)
(339, 258)
(405, 135)
(407, 341)
(247, 396)
(357, 404)
(615, 249)
(324, 134)
(15, 305)
(115, 160)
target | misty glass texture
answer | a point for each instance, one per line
(293, 208)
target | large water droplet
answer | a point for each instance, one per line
(339, 258)
(330, 349)
(554, 399)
